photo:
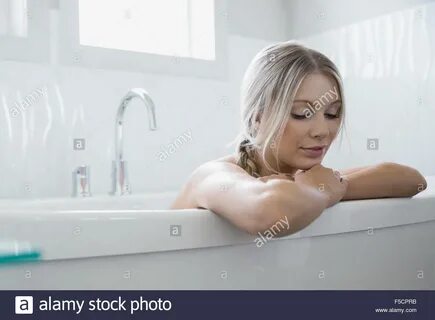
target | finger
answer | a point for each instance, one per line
(284, 176)
(290, 176)
(270, 177)
(344, 180)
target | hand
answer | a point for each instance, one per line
(284, 176)
(324, 180)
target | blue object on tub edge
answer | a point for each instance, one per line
(17, 251)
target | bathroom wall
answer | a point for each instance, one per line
(387, 60)
(63, 103)
(385, 54)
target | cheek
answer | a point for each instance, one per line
(333, 128)
(292, 138)
(295, 132)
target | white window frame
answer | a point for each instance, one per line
(71, 52)
(36, 46)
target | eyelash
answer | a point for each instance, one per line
(299, 117)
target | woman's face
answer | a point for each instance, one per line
(314, 122)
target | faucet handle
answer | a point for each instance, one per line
(81, 181)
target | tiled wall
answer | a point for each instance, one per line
(389, 77)
(387, 63)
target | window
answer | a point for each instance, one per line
(24, 31)
(185, 30)
(185, 37)
(13, 18)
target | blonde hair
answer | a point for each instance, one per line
(268, 89)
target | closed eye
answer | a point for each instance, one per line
(332, 116)
(302, 117)
(298, 117)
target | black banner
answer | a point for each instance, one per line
(217, 305)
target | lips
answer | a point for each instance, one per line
(314, 152)
(315, 148)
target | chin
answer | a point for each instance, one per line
(301, 163)
(309, 163)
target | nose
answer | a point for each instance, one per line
(319, 126)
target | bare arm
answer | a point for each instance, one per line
(227, 190)
(300, 204)
(251, 204)
(347, 172)
(384, 180)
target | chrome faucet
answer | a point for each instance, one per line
(81, 182)
(120, 182)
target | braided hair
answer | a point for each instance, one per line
(246, 158)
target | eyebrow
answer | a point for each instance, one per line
(336, 102)
(303, 100)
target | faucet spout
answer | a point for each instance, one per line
(120, 183)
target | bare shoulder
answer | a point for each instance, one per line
(186, 197)
(228, 159)
(224, 188)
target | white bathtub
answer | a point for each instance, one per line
(125, 243)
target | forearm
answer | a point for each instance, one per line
(297, 203)
(385, 180)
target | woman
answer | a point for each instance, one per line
(292, 109)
